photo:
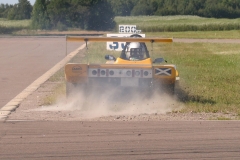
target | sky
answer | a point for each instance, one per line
(14, 1)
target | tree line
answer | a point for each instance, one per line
(62, 14)
(99, 14)
(203, 8)
(19, 11)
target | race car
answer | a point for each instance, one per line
(134, 67)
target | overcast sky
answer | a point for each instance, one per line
(14, 1)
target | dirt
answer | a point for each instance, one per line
(98, 108)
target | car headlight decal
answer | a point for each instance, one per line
(120, 73)
(94, 72)
(128, 73)
(103, 72)
(145, 73)
(111, 73)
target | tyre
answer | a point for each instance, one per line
(170, 89)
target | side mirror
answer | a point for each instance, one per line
(110, 58)
(159, 60)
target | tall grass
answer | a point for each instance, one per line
(10, 26)
(148, 24)
(179, 23)
(233, 34)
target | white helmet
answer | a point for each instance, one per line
(134, 50)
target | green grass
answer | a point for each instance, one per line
(209, 75)
(166, 26)
(179, 23)
(10, 26)
(14, 23)
(183, 26)
(233, 34)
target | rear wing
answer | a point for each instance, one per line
(116, 39)
(87, 39)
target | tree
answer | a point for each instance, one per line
(21, 10)
(63, 14)
(101, 16)
(58, 12)
(143, 7)
(80, 12)
(122, 7)
(24, 9)
(4, 9)
(40, 18)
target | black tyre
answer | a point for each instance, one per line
(170, 89)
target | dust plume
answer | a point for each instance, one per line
(101, 102)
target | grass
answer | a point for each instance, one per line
(166, 26)
(10, 26)
(232, 34)
(14, 23)
(209, 76)
(179, 23)
(209, 73)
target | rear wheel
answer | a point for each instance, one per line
(170, 88)
(165, 88)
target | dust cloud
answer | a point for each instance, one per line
(101, 102)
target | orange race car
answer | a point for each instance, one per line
(134, 68)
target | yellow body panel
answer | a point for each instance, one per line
(147, 61)
(119, 66)
(76, 73)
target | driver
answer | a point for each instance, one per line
(134, 51)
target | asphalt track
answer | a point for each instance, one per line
(25, 59)
(120, 140)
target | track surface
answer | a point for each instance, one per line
(25, 59)
(120, 140)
